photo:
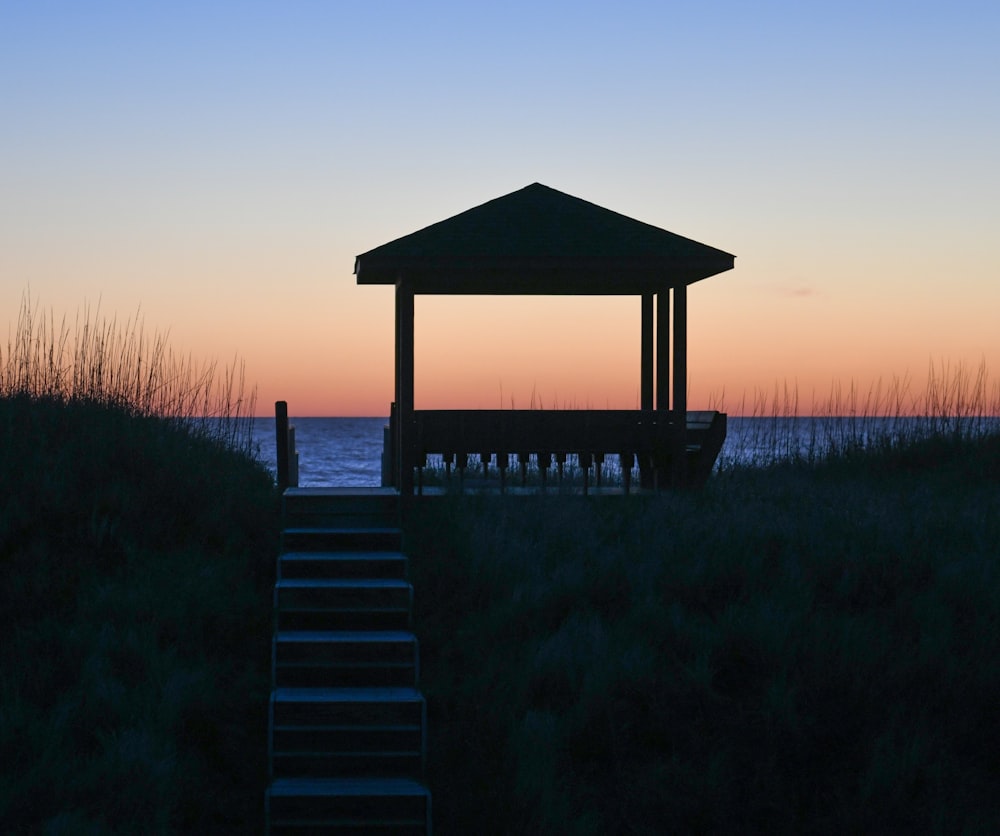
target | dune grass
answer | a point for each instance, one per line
(811, 646)
(767, 428)
(118, 364)
(805, 648)
(137, 552)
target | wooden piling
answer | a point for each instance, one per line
(281, 442)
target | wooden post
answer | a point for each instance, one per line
(281, 442)
(663, 350)
(662, 380)
(679, 474)
(293, 459)
(387, 454)
(390, 445)
(646, 402)
(648, 348)
(404, 385)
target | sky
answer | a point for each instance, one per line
(215, 168)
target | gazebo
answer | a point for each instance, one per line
(539, 241)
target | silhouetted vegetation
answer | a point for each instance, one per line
(137, 554)
(810, 647)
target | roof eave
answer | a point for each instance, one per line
(540, 276)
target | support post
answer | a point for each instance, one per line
(663, 351)
(404, 385)
(679, 474)
(647, 351)
(293, 459)
(390, 439)
(646, 367)
(281, 442)
(662, 383)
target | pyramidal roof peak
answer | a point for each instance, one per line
(540, 240)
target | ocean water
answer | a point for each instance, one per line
(348, 451)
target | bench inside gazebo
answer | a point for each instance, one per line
(539, 241)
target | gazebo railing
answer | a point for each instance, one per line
(646, 436)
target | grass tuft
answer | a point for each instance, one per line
(807, 647)
(110, 364)
(137, 546)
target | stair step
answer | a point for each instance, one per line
(343, 619)
(341, 539)
(341, 740)
(346, 706)
(346, 647)
(337, 593)
(341, 507)
(309, 518)
(316, 659)
(341, 500)
(347, 564)
(339, 732)
(388, 763)
(346, 676)
(338, 604)
(380, 805)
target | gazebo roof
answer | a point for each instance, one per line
(540, 241)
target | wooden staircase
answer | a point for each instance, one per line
(347, 726)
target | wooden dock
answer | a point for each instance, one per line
(347, 725)
(669, 452)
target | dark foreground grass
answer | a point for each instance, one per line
(136, 566)
(800, 649)
(808, 648)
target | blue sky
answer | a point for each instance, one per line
(219, 165)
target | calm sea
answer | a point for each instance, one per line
(348, 451)
(332, 451)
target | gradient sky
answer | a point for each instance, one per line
(217, 166)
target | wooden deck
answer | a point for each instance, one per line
(667, 451)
